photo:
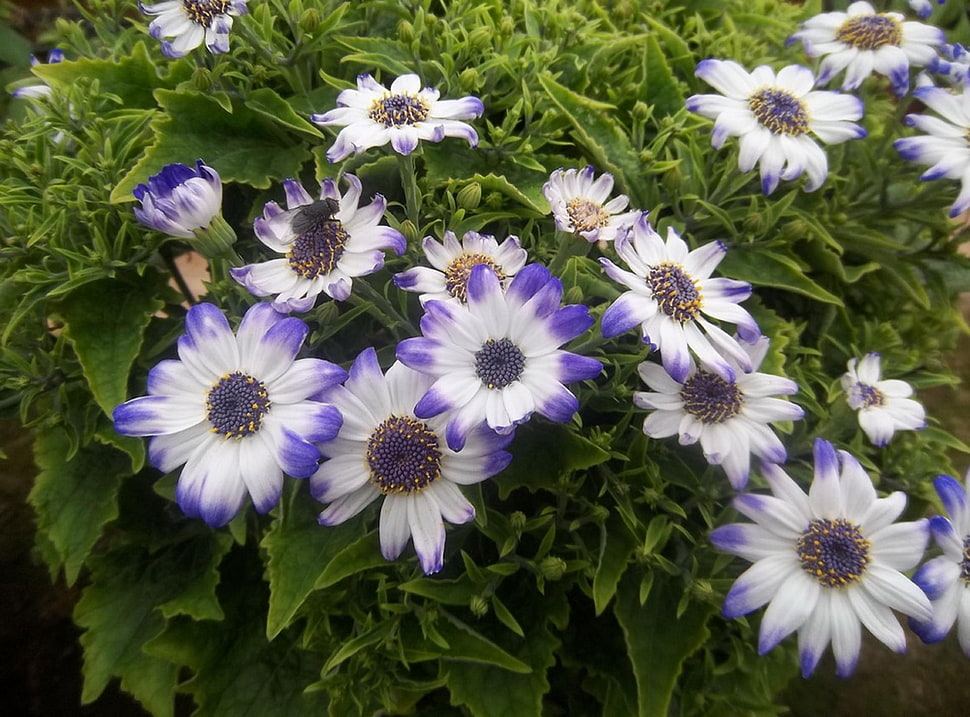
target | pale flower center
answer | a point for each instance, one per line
(779, 111)
(235, 406)
(399, 110)
(862, 395)
(870, 32)
(498, 363)
(711, 399)
(203, 12)
(965, 563)
(321, 240)
(834, 552)
(460, 268)
(403, 455)
(586, 215)
(675, 291)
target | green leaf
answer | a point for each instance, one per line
(300, 550)
(197, 598)
(134, 447)
(361, 555)
(763, 267)
(244, 146)
(269, 104)
(658, 641)
(105, 321)
(618, 546)
(448, 592)
(467, 645)
(662, 90)
(74, 497)
(351, 647)
(371, 52)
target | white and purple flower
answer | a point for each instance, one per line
(946, 578)
(405, 114)
(385, 449)
(884, 406)
(496, 358)
(946, 144)
(235, 410)
(453, 262)
(671, 293)
(861, 41)
(42, 90)
(952, 64)
(775, 116)
(728, 418)
(326, 243)
(192, 22)
(180, 200)
(582, 205)
(826, 562)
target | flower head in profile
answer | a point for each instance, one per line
(582, 205)
(952, 65)
(191, 22)
(861, 41)
(384, 449)
(326, 243)
(39, 90)
(496, 358)
(730, 419)
(826, 562)
(884, 406)
(453, 261)
(235, 410)
(775, 116)
(372, 116)
(671, 294)
(946, 579)
(945, 146)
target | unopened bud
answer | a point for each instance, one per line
(478, 605)
(753, 223)
(672, 178)
(470, 196)
(310, 20)
(641, 110)
(517, 521)
(202, 78)
(552, 567)
(410, 231)
(405, 31)
(469, 79)
(574, 295)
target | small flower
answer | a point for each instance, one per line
(946, 145)
(774, 116)
(496, 358)
(372, 116)
(671, 291)
(385, 449)
(946, 579)
(235, 410)
(326, 242)
(861, 40)
(952, 64)
(39, 90)
(826, 561)
(729, 418)
(579, 205)
(884, 406)
(192, 22)
(454, 261)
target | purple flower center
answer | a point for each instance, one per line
(460, 268)
(585, 215)
(834, 552)
(965, 563)
(870, 32)
(675, 291)
(203, 12)
(498, 363)
(863, 395)
(321, 239)
(235, 406)
(779, 111)
(711, 399)
(403, 455)
(399, 110)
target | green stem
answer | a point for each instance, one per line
(570, 245)
(383, 309)
(412, 196)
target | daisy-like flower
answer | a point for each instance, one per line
(326, 243)
(946, 579)
(775, 117)
(39, 90)
(826, 562)
(946, 144)
(384, 449)
(496, 358)
(581, 204)
(884, 406)
(861, 41)
(671, 293)
(453, 262)
(192, 22)
(372, 116)
(235, 410)
(729, 418)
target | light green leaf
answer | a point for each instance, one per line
(663, 92)
(74, 497)
(383, 53)
(763, 267)
(269, 104)
(448, 592)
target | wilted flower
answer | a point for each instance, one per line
(884, 406)
(861, 41)
(192, 22)
(826, 562)
(327, 242)
(582, 205)
(372, 116)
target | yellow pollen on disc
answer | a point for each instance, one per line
(586, 215)
(203, 12)
(460, 268)
(870, 32)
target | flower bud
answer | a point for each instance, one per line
(202, 78)
(641, 110)
(470, 196)
(310, 20)
(478, 605)
(409, 231)
(405, 32)
(552, 567)
(517, 521)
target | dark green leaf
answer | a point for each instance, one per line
(615, 553)
(763, 267)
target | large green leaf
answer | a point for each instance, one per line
(197, 597)
(74, 496)
(269, 104)
(764, 267)
(658, 641)
(244, 146)
(663, 92)
(618, 546)
(106, 321)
